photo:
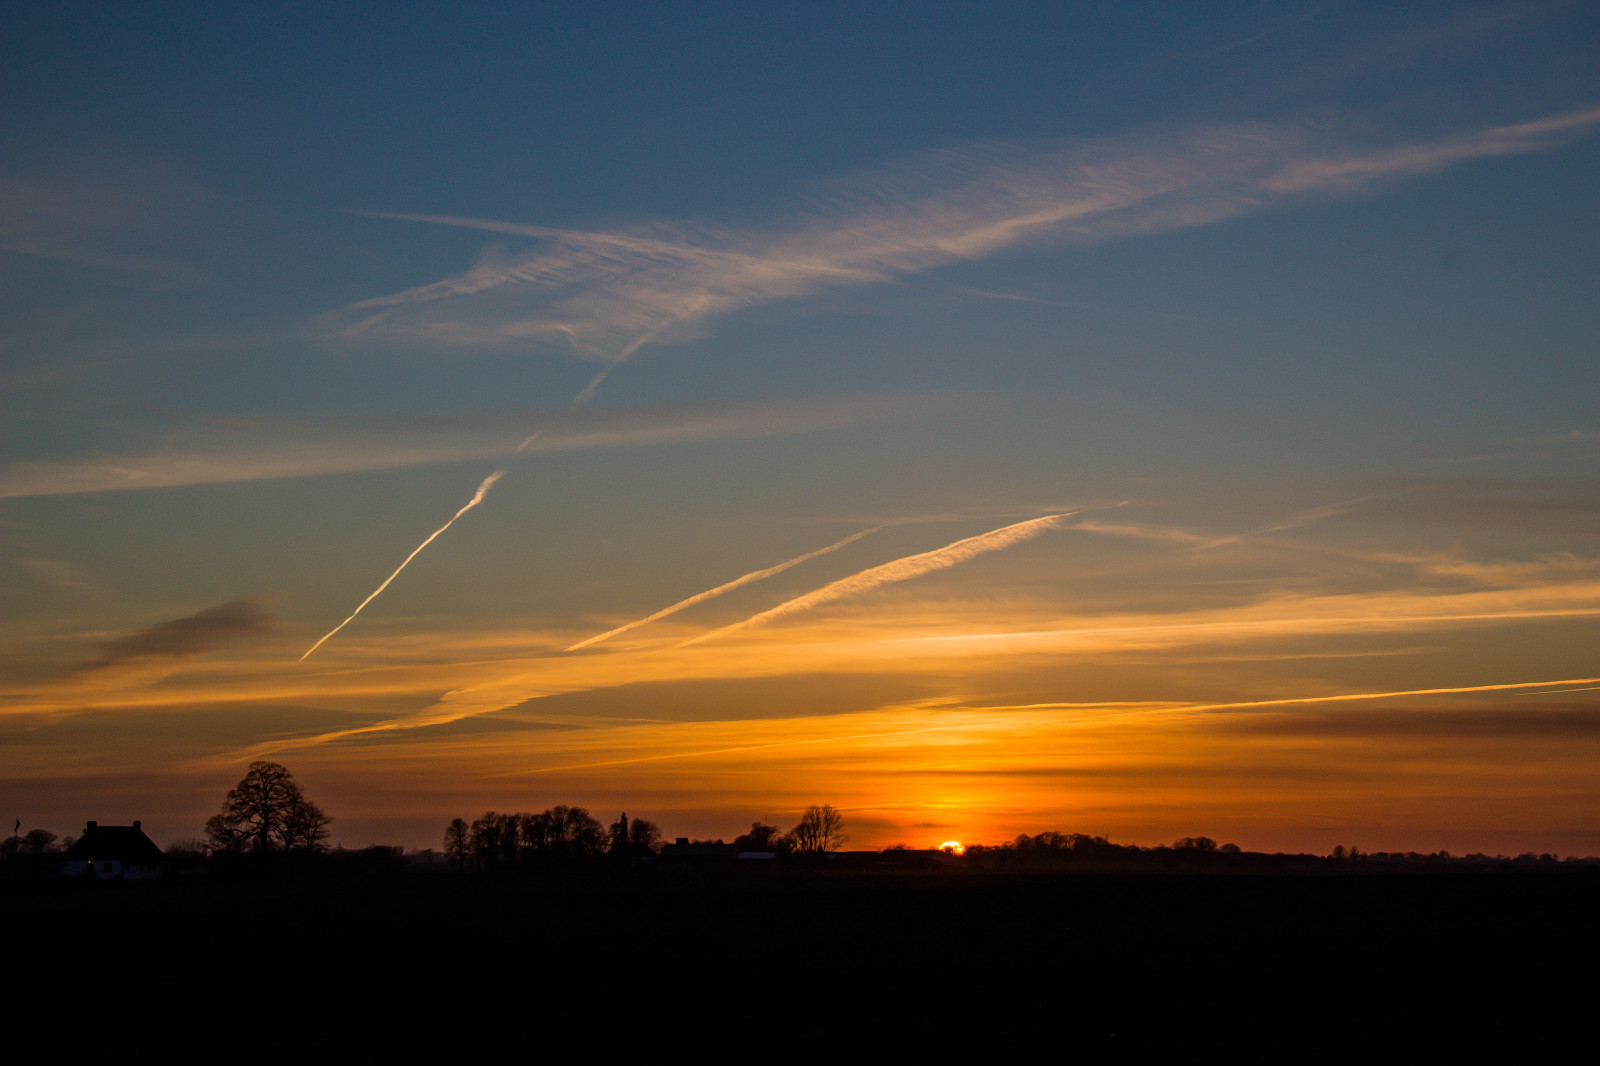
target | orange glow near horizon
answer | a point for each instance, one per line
(1257, 723)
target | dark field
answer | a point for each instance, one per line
(432, 965)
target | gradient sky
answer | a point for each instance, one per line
(1204, 397)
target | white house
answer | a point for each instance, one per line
(112, 852)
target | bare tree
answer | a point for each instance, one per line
(821, 829)
(494, 837)
(267, 812)
(574, 832)
(305, 827)
(458, 841)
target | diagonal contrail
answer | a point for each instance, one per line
(477, 498)
(737, 582)
(583, 397)
(897, 570)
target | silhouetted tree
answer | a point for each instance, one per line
(644, 834)
(619, 833)
(458, 841)
(305, 827)
(38, 842)
(761, 837)
(537, 832)
(821, 829)
(267, 812)
(1203, 844)
(574, 833)
(495, 838)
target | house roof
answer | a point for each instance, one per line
(125, 842)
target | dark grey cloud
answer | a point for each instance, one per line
(179, 638)
(1576, 720)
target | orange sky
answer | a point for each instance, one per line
(979, 418)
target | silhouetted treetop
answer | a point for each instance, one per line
(265, 812)
(821, 829)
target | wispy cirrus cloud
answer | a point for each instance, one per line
(606, 293)
(219, 452)
(120, 220)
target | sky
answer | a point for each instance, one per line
(1146, 420)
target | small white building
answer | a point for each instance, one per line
(113, 853)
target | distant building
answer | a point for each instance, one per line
(698, 852)
(112, 853)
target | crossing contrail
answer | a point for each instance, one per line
(584, 396)
(477, 498)
(897, 570)
(701, 597)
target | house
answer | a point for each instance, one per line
(112, 852)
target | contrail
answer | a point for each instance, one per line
(898, 570)
(755, 575)
(583, 397)
(477, 498)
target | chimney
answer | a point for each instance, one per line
(136, 823)
(90, 826)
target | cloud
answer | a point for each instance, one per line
(902, 569)
(738, 582)
(1552, 505)
(603, 294)
(1146, 531)
(57, 572)
(1573, 721)
(181, 638)
(119, 218)
(1354, 171)
(261, 449)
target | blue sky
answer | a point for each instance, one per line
(1289, 309)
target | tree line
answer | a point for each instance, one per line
(571, 833)
(268, 812)
(556, 833)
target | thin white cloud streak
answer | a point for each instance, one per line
(902, 569)
(477, 498)
(1145, 531)
(1341, 697)
(265, 450)
(1358, 170)
(607, 293)
(738, 582)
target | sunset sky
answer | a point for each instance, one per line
(1180, 419)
